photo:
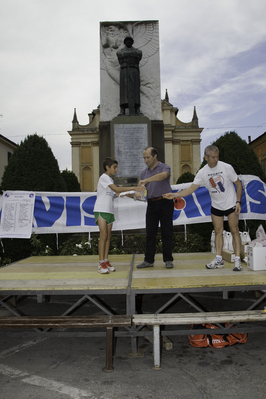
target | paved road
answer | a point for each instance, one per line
(57, 368)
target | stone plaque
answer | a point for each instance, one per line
(130, 140)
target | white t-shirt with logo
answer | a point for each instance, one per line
(105, 195)
(219, 181)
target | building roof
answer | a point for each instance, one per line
(261, 137)
(3, 138)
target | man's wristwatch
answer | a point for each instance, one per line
(239, 202)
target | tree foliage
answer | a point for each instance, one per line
(71, 181)
(33, 167)
(236, 152)
(186, 177)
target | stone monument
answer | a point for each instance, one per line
(130, 113)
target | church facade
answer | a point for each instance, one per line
(181, 145)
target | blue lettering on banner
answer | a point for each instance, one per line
(204, 200)
(176, 211)
(191, 209)
(244, 207)
(88, 206)
(46, 218)
(256, 192)
(73, 213)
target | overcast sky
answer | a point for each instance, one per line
(212, 55)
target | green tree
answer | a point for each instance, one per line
(236, 152)
(33, 167)
(71, 181)
(186, 177)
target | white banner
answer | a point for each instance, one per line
(73, 212)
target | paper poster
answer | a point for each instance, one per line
(17, 214)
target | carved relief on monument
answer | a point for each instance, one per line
(145, 35)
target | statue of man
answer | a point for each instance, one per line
(129, 58)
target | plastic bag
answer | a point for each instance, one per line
(245, 237)
(218, 341)
(225, 241)
(213, 250)
(228, 241)
(260, 241)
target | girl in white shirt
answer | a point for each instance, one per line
(104, 211)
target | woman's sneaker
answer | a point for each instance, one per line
(102, 268)
(237, 266)
(215, 264)
(109, 266)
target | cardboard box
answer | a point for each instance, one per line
(256, 258)
(243, 251)
(228, 256)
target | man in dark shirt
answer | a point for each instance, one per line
(156, 178)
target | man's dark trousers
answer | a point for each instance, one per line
(159, 211)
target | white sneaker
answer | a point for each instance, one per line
(237, 265)
(109, 266)
(103, 269)
(215, 264)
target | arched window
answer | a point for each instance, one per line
(87, 179)
(186, 168)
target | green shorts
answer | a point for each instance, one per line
(109, 217)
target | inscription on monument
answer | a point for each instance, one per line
(130, 142)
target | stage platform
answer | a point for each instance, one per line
(63, 275)
(190, 273)
(78, 274)
(77, 277)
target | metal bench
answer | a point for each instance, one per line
(157, 320)
(107, 321)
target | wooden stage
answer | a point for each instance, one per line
(77, 277)
(63, 274)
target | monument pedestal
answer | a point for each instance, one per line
(129, 136)
(125, 138)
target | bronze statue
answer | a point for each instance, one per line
(129, 58)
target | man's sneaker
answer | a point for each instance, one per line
(144, 264)
(215, 264)
(169, 264)
(237, 266)
(109, 266)
(102, 268)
